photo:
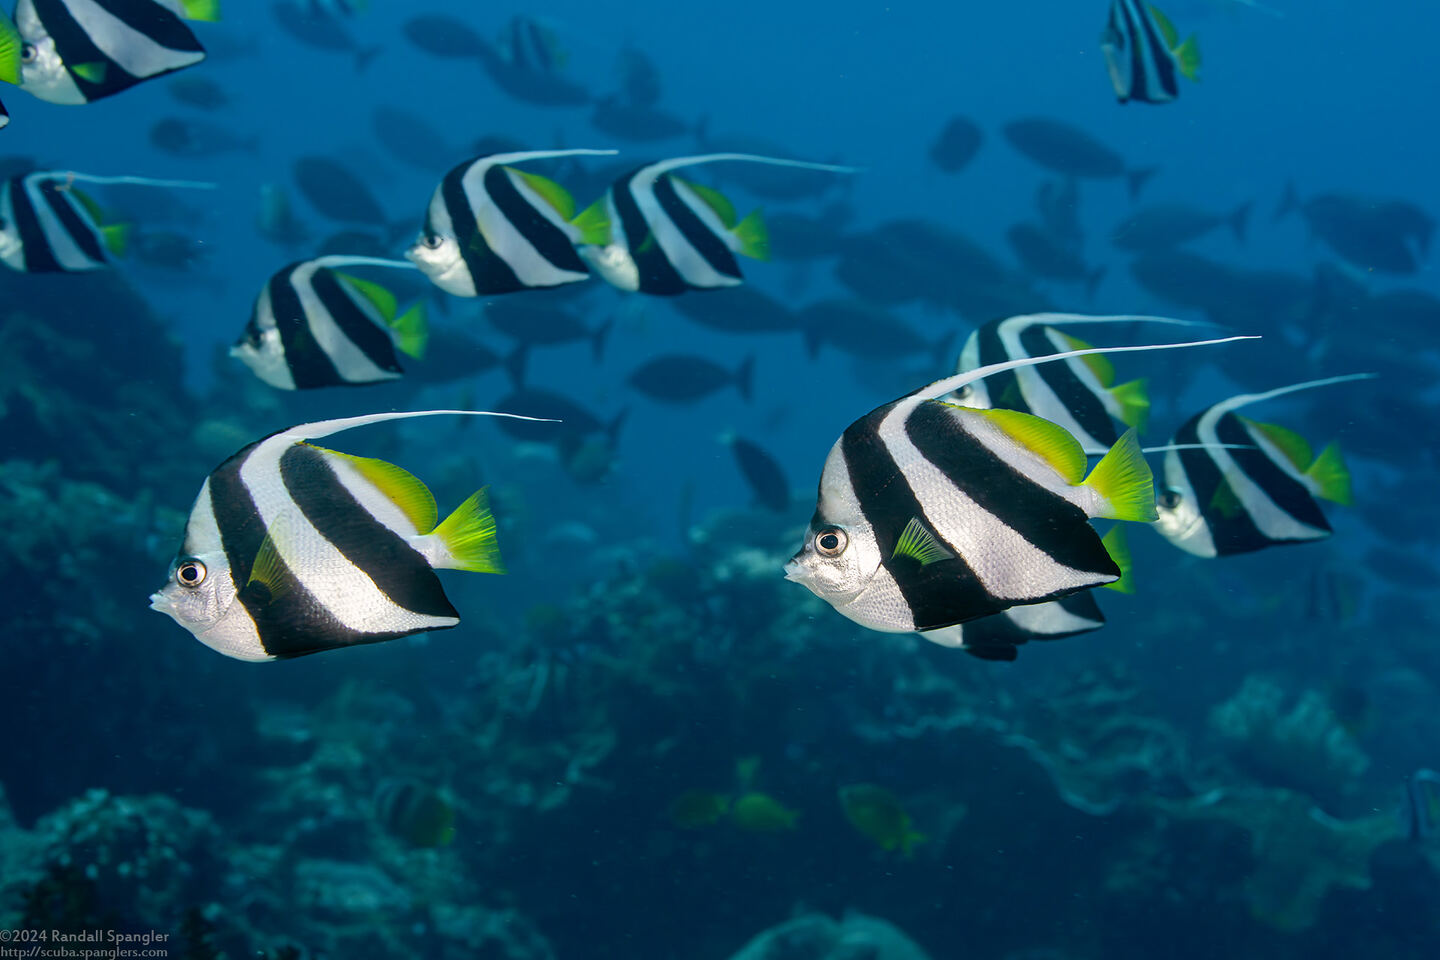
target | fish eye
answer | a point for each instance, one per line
(27, 53)
(830, 541)
(432, 241)
(1170, 498)
(190, 573)
(965, 392)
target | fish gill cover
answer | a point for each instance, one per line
(717, 262)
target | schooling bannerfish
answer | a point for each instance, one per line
(1144, 54)
(313, 326)
(80, 51)
(1241, 486)
(293, 549)
(931, 514)
(494, 228)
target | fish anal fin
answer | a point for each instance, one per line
(1295, 447)
(468, 535)
(1049, 441)
(557, 196)
(1118, 547)
(1331, 476)
(396, 484)
(1123, 479)
(920, 545)
(379, 297)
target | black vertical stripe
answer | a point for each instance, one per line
(1050, 522)
(549, 241)
(358, 328)
(693, 229)
(1147, 47)
(35, 247)
(397, 568)
(1230, 534)
(657, 274)
(310, 366)
(156, 22)
(939, 594)
(488, 270)
(79, 226)
(1087, 409)
(1002, 388)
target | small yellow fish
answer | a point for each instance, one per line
(759, 813)
(698, 808)
(415, 813)
(877, 813)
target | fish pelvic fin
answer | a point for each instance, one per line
(1123, 479)
(1118, 547)
(469, 536)
(1331, 476)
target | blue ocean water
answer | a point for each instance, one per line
(1224, 769)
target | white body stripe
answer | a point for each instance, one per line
(350, 361)
(1000, 557)
(1184, 525)
(233, 633)
(1268, 518)
(504, 238)
(139, 55)
(687, 261)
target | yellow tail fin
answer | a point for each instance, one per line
(1123, 478)
(469, 535)
(1331, 476)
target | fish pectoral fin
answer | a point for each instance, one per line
(1118, 547)
(468, 535)
(93, 72)
(1225, 501)
(398, 485)
(919, 544)
(1123, 479)
(268, 569)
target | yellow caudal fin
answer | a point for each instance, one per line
(204, 10)
(753, 236)
(117, 238)
(1188, 56)
(1123, 479)
(1331, 476)
(412, 331)
(1134, 403)
(12, 48)
(1118, 547)
(594, 224)
(554, 194)
(469, 535)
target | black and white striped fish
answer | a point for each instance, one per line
(49, 226)
(1218, 500)
(293, 549)
(654, 233)
(315, 327)
(80, 51)
(492, 228)
(1079, 394)
(1144, 54)
(931, 514)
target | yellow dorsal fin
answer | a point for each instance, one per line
(1118, 547)
(91, 205)
(715, 200)
(1331, 476)
(396, 484)
(920, 544)
(1295, 447)
(1123, 478)
(268, 569)
(594, 224)
(1134, 402)
(11, 50)
(553, 194)
(1050, 442)
(469, 536)
(381, 298)
(1098, 363)
(1166, 28)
